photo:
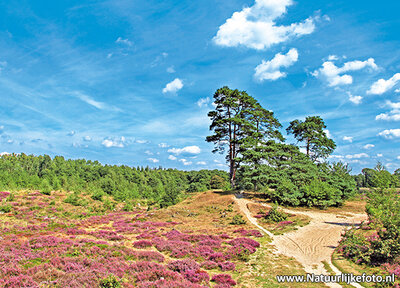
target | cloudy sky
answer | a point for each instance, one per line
(130, 82)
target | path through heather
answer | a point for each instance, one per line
(313, 243)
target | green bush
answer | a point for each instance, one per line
(73, 199)
(110, 282)
(238, 220)
(217, 182)
(98, 195)
(320, 194)
(45, 187)
(286, 193)
(128, 207)
(196, 187)
(5, 208)
(11, 197)
(276, 215)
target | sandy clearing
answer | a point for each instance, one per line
(313, 243)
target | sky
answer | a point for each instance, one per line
(130, 82)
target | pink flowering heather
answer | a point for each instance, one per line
(196, 276)
(227, 266)
(223, 279)
(142, 244)
(284, 223)
(183, 265)
(3, 195)
(209, 265)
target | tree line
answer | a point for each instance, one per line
(259, 159)
(162, 186)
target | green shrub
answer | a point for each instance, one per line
(108, 204)
(286, 193)
(11, 197)
(45, 187)
(320, 194)
(110, 282)
(196, 187)
(217, 182)
(276, 214)
(73, 199)
(238, 220)
(98, 195)
(128, 207)
(5, 208)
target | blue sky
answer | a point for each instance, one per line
(131, 82)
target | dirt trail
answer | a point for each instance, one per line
(313, 243)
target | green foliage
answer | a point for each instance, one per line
(320, 194)
(123, 183)
(196, 187)
(10, 198)
(310, 131)
(128, 207)
(110, 282)
(238, 220)
(276, 215)
(45, 187)
(286, 193)
(5, 208)
(73, 199)
(217, 182)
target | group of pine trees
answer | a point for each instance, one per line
(163, 186)
(259, 158)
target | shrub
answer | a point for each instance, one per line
(5, 208)
(73, 199)
(286, 193)
(238, 220)
(98, 195)
(142, 244)
(110, 282)
(183, 265)
(320, 194)
(276, 215)
(223, 279)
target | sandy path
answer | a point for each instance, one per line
(313, 243)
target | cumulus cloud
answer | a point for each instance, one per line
(174, 86)
(154, 160)
(393, 115)
(255, 27)
(381, 86)
(270, 70)
(4, 153)
(71, 133)
(185, 150)
(355, 99)
(139, 141)
(379, 155)
(203, 102)
(348, 138)
(185, 162)
(87, 138)
(172, 157)
(201, 163)
(123, 41)
(357, 156)
(119, 142)
(328, 133)
(335, 76)
(171, 69)
(398, 157)
(369, 146)
(163, 145)
(148, 152)
(390, 133)
(397, 91)
(333, 57)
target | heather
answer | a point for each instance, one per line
(49, 242)
(376, 243)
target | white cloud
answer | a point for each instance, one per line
(336, 156)
(163, 145)
(148, 152)
(357, 156)
(173, 86)
(270, 70)
(203, 102)
(379, 155)
(355, 99)
(254, 27)
(154, 160)
(71, 133)
(172, 157)
(348, 138)
(390, 133)
(119, 142)
(4, 153)
(328, 133)
(123, 41)
(91, 101)
(381, 86)
(185, 162)
(369, 146)
(332, 74)
(201, 163)
(333, 57)
(393, 115)
(87, 138)
(142, 141)
(185, 150)
(397, 91)
(171, 69)
(398, 157)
